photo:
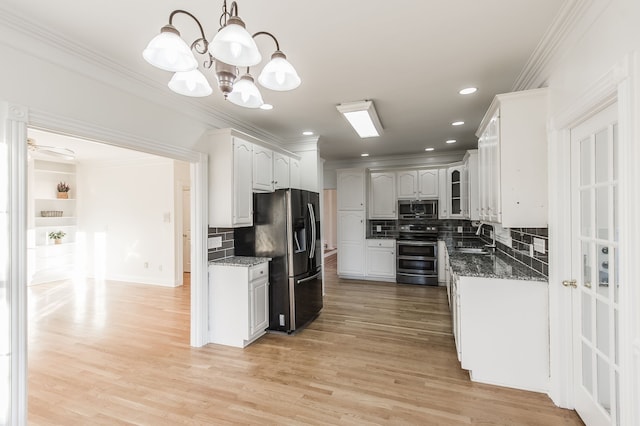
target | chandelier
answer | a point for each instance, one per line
(232, 49)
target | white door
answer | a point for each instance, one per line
(186, 229)
(594, 188)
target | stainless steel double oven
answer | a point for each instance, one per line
(417, 254)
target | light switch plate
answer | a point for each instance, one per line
(378, 228)
(214, 242)
(538, 245)
(459, 229)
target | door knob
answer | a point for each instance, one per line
(570, 283)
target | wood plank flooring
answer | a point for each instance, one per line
(379, 354)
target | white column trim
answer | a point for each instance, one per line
(199, 274)
(16, 138)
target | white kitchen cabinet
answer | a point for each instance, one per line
(239, 303)
(417, 184)
(351, 189)
(443, 261)
(262, 169)
(471, 202)
(294, 173)
(512, 160)
(351, 244)
(501, 329)
(281, 171)
(382, 195)
(453, 192)
(381, 260)
(230, 180)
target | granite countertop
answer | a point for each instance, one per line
(244, 261)
(497, 265)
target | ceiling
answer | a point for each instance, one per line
(410, 57)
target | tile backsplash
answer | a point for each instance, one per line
(227, 249)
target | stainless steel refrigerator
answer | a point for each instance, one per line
(286, 228)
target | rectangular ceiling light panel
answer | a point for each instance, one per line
(363, 118)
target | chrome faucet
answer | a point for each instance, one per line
(493, 235)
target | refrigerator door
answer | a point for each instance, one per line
(315, 239)
(308, 298)
(299, 232)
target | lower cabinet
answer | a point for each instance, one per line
(351, 240)
(238, 303)
(381, 260)
(501, 330)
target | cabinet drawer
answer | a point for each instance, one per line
(381, 243)
(259, 271)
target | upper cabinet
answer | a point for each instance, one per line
(512, 160)
(452, 203)
(262, 169)
(281, 172)
(230, 180)
(382, 196)
(351, 189)
(417, 184)
(294, 173)
(472, 207)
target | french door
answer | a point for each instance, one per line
(595, 298)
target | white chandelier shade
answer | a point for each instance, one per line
(169, 52)
(190, 83)
(234, 45)
(245, 93)
(279, 74)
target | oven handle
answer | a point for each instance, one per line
(416, 243)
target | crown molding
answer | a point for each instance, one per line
(400, 161)
(536, 70)
(78, 58)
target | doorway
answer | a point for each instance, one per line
(595, 252)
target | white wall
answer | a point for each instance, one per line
(329, 226)
(126, 212)
(604, 40)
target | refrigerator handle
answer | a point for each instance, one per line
(311, 278)
(312, 216)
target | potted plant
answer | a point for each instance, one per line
(63, 190)
(57, 236)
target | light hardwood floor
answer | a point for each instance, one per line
(114, 353)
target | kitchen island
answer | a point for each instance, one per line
(500, 319)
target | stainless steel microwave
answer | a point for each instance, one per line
(418, 209)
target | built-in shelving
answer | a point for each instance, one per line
(50, 261)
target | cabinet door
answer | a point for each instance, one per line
(407, 184)
(473, 187)
(382, 201)
(351, 189)
(351, 242)
(242, 194)
(262, 169)
(443, 195)
(454, 185)
(294, 173)
(258, 306)
(428, 183)
(280, 171)
(381, 262)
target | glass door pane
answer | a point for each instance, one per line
(594, 186)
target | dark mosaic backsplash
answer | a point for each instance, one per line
(520, 250)
(521, 239)
(227, 249)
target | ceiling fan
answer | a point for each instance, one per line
(53, 151)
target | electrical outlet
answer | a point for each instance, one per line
(538, 245)
(281, 318)
(459, 229)
(146, 265)
(378, 228)
(214, 242)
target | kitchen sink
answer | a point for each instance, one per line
(472, 250)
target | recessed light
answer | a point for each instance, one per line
(468, 90)
(307, 133)
(266, 107)
(429, 149)
(457, 123)
(364, 155)
(451, 141)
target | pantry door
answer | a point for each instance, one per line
(595, 295)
